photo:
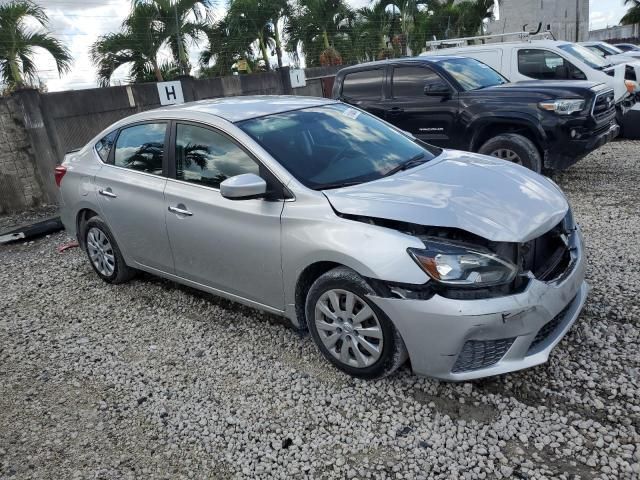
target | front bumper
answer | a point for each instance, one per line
(460, 340)
(574, 149)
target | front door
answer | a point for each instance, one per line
(229, 245)
(429, 118)
(130, 189)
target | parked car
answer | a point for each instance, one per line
(384, 247)
(611, 53)
(627, 47)
(461, 103)
(555, 60)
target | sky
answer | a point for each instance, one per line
(78, 23)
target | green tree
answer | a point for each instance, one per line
(179, 22)
(137, 45)
(633, 14)
(315, 27)
(223, 50)
(18, 42)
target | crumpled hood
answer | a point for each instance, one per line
(483, 195)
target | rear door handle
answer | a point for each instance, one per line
(107, 193)
(180, 211)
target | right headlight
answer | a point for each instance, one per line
(562, 106)
(458, 264)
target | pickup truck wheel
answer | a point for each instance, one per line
(514, 148)
(349, 330)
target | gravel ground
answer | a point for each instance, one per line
(153, 380)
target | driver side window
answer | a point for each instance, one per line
(546, 65)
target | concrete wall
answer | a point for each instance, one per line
(43, 127)
(631, 33)
(567, 19)
(20, 186)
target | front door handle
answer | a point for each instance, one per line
(180, 211)
(107, 193)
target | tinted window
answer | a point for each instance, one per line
(103, 147)
(471, 74)
(546, 65)
(366, 84)
(410, 81)
(333, 145)
(207, 157)
(141, 147)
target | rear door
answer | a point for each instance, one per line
(429, 118)
(364, 89)
(229, 245)
(130, 188)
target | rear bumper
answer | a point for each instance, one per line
(461, 340)
(575, 149)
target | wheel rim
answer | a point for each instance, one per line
(506, 154)
(101, 252)
(348, 328)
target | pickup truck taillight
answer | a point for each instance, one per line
(59, 173)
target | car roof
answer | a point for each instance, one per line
(424, 59)
(237, 109)
(533, 43)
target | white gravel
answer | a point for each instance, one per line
(153, 380)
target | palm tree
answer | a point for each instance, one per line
(378, 22)
(18, 41)
(314, 27)
(179, 22)
(633, 14)
(224, 49)
(136, 44)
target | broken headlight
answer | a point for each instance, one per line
(459, 264)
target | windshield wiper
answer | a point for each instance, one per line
(412, 162)
(329, 186)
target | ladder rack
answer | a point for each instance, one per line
(459, 42)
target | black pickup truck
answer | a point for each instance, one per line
(462, 103)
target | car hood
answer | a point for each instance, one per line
(483, 195)
(574, 88)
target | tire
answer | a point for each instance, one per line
(514, 148)
(388, 352)
(103, 252)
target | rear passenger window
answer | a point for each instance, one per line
(103, 147)
(410, 81)
(546, 65)
(363, 85)
(141, 147)
(208, 158)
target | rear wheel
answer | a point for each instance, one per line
(514, 148)
(350, 330)
(104, 254)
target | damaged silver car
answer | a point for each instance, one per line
(383, 247)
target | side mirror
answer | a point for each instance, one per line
(437, 89)
(243, 187)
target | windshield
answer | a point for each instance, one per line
(586, 55)
(471, 74)
(611, 50)
(335, 145)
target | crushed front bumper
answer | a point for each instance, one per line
(460, 340)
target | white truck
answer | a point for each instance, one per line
(546, 59)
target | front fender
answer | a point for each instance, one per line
(480, 122)
(312, 232)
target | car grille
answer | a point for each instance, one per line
(604, 106)
(548, 329)
(478, 354)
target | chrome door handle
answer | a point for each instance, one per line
(180, 211)
(107, 193)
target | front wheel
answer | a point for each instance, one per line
(514, 148)
(349, 330)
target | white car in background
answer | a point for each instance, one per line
(550, 60)
(613, 54)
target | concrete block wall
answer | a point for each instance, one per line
(20, 186)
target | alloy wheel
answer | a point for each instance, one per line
(348, 328)
(101, 252)
(507, 154)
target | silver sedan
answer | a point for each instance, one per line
(384, 248)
